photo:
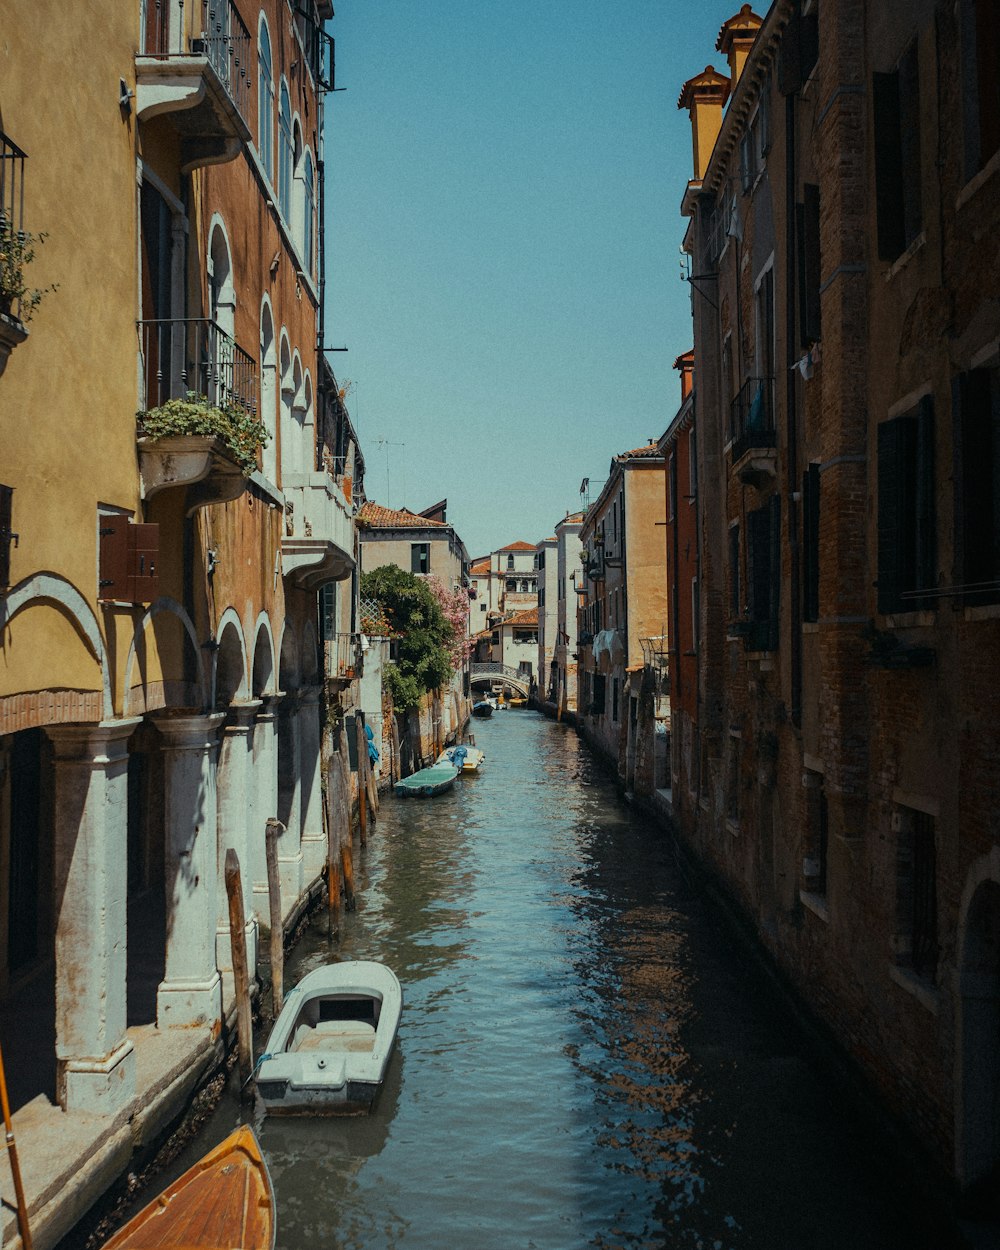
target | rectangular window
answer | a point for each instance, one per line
(976, 413)
(808, 254)
(764, 309)
(672, 487)
(695, 615)
(980, 21)
(896, 112)
(600, 694)
(328, 611)
(420, 557)
(735, 599)
(764, 575)
(906, 520)
(810, 543)
(6, 533)
(614, 699)
(733, 781)
(916, 892)
(814, 847)
(692, 468)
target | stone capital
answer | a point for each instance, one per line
(100, 743)
(240, 717)
(189, 733)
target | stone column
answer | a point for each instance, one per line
(95, 1063)
(310, 732)
(190, 993)
(234, 814)
(289, 803)
(265, 799)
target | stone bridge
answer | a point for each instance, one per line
(487, 674)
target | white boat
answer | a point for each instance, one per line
(470, 761)
(330, 1045)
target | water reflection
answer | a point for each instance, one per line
(583, 1058)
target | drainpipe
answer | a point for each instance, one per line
(795, 606)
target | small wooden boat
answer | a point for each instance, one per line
(427, 782)
(483, 709)
(467, 758)
(224, 1202)
(330, 1045)
(518, 702)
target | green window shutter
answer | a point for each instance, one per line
(890, 519)
(810, 543)
(888, 166)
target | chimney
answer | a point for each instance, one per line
(684, 364)
(704, 95)
(736, 38)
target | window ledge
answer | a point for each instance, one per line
(926, 994)
(978, 180)
(910, 620)
(984, 612)
(810, 627)
(816, 903)
(904, 259)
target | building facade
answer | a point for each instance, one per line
(847, 347)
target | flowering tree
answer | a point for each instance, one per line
(455, 607)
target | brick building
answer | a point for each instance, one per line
(844, 212)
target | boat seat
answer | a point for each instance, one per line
(355, 1036)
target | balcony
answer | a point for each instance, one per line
(318, 545)
(195, 357)
(195, 68)
(752, 425)
(342, 653)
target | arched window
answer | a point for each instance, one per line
(285, 165)
(219, 381)
(265, 100)
(286, 431)
(295, 217)
(296, 460)
(268, 391)
(309, 216)
(308, 427)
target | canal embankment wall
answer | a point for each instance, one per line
(927, 1185)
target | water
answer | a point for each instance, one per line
(584, 1059)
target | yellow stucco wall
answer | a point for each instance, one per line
(68, 396)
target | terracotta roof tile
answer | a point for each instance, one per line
(530, 617)
(519, 546)
(375, 515)
(481, 568)
(650, 449)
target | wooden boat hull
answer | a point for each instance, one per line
(427, 782)
(224, 1202)
(330, 1045)
(482, 710)
(472, 762)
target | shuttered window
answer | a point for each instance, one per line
(907, 538)
(6, 532)
(980, 23)
(896, 110)
(810, 543)
(764, 574)
(807, 232)
(976, 413)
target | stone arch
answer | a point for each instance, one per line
(309, 659)
(263, 676)
(289, 668)
(977, 1135)
(308, 424)
(222, 291)
(298, 463)
(187, 688)
(287, 423)
(269, 388)
(230, 681)
(57, 591)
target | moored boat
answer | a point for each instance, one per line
(330, 1045)
(224, 1202)
(468, 759)
(483, 708)
(427, 782)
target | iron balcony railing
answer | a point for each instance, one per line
(343, 656)
(223, 40)
(12, 234)
(752, 416)
(196, 354)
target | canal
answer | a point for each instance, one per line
(585, 1058)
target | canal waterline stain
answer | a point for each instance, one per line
(584, 1058)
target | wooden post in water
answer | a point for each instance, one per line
(397, 770)
(332, 859)
(274, 827)
(344, 818)
(241, 975)
(362, 742)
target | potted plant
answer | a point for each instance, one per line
(17, 251)
(195, 414)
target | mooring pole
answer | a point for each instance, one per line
(362, 788)
(332, 862)
(241, 975)
(273, 829)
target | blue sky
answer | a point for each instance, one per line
(503, 191)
